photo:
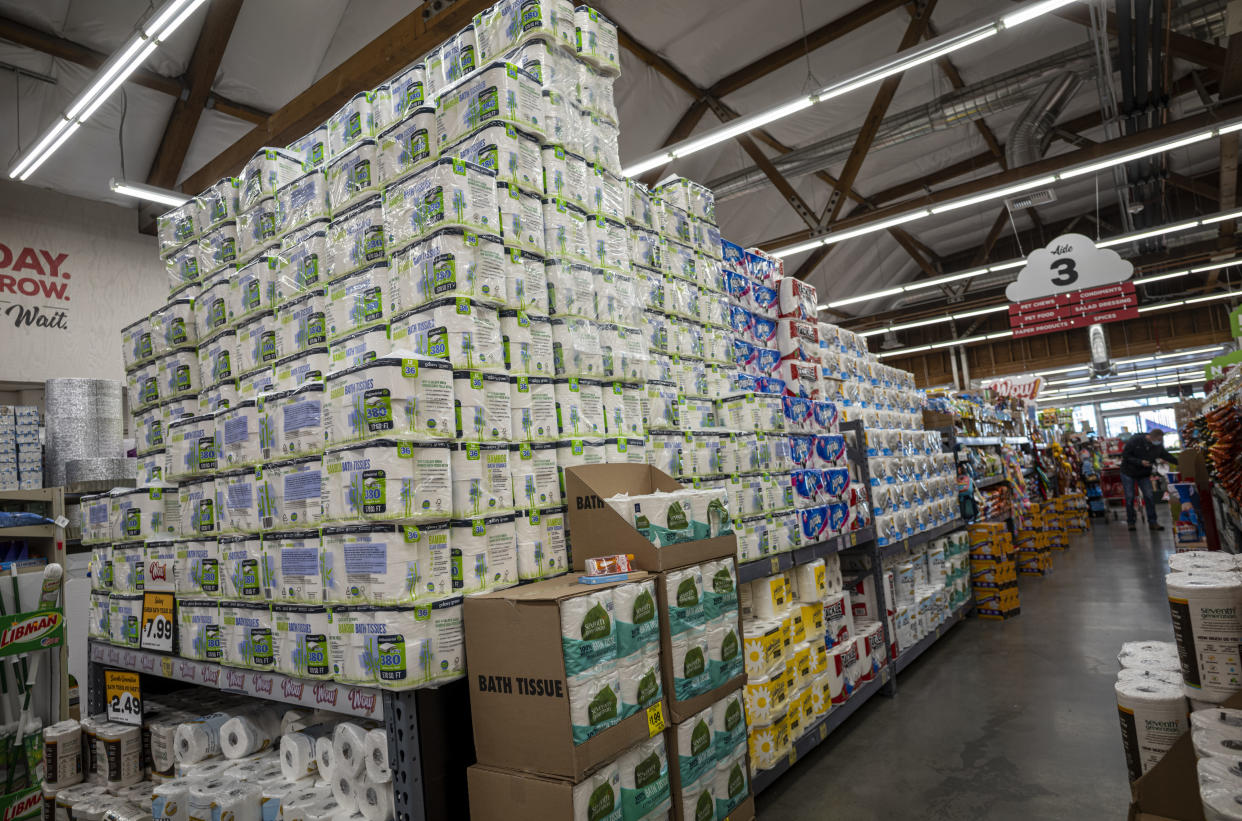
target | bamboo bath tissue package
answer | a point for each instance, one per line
(399, 395)
(386, 564)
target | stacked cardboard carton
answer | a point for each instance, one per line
(993, 571)
(1034, 556)
(21, 455)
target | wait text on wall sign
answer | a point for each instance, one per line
(34, 287)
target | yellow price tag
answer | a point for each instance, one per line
(655, 719)
(853, 539)
(823, 731)
(157, 622)
(776, 564)
(123, 695)
(793, 756)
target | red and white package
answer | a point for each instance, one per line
(798, 340)
(797, 299)
(800, 378)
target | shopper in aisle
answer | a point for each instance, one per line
(1141, 452)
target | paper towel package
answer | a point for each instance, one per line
(519, 688)
(599, 530)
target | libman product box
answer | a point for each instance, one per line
(600, 531)
(520, 689)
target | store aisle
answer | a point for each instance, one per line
(1002, 720)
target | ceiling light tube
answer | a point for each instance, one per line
(873, 227)
(931, 283)
(148, 192)
(1161, 306)
(1168, 229)
(115, 66)
(156, 23)
(55, 131)
(1229, 129)
(1216, 265)
(981, 311)
(52, 149)
(1005, 266)
(798, 249)
(1159, 277)
(1221, 218)
(905, 326)
(1213, 297)
(1146, 151)
(151, 45)
(854, 299)
(741, 125)
(874, 332)
(1032, 11)
(181, 18)
(994, 195)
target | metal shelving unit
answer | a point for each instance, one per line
(888, 551)
(400, 711)
(989, 481)
(50, 537)
(908, 657)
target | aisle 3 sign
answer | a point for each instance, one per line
(1070, 262)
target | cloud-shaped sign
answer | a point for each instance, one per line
(1070, 262)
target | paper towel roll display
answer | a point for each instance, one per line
(170, 801)
(1203, 561)
(62, 754)
(1146, 674)
(1217, 718)
(1207, 616)
(1138, 653)
(1153, 715)
(644, 779)
(1217, 742)
(588, 631)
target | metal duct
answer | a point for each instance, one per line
(1032, 133)
(1206, 20)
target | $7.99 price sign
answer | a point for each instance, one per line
(123, 694)
(157, 622)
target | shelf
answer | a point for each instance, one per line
(908, 657)
(780, 562)
(888, 551)
(28, 532)
(989, 481)
(365, 702)
(815, 736)
(43, 494)
(993, 440)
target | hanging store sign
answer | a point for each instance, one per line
(1070, 284)
(1218, 366)
(1022, 387)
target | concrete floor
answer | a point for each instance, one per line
(1010, 720)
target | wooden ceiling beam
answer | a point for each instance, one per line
(75, 53)
(1208, 55)
(405, 41)
(188, 109)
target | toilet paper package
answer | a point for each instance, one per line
(448, 193)
(521, 218)
(541, 551)
(356, 239)
(594, 700)
(258, 229)
(476, 100)
(294, 420)
(256, 343)
(252, 290)
(244, 736)
(378, 769)
(664, 518)
(564, 224)
(239, 440)
(683, 595)
(724, 651)
(358, 300)
(385, 479)
(246, 635)
(1205, 611)
(460, 331)
(176, 227)
(128, 568)
(246, 573)
(160, 560)
(300, 265)
(212, 310)
(62, 754)
(588, 631)
(720, 590)
(181, 265)
(576, 452)
(731, 784)
(399, 395)
(403, 650)
(695, 750)
(579, 406)
(386, 564)
(198, 567)
(120, 754)
(623, 451)
(351, 123)
(483, 406)
(144, 512)
(533, 469)
(596, 39)
(1153, 715)
(634, 612)
(177, 373)
(172, 326)
(484, 553)
(510, 24)
(217, 358)
(728, 725)
(599, 795)
(299, 369)
(352, 176)
(293, 489)
(641, 682)
(358, 347)
(302, 324)
(442, 622)
(297, 751)
(690, 667)
(408, 144)
(451, 262)
(577, 348)
(238, 495)
(526, 283)
(97, 628)
(199, 505)
(293, 557)
(313, 196)
(645, 779)
(527, 344)
(265, 173)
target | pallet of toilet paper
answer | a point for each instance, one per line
(21, 454)
(202, 754)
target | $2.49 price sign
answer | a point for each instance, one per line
(123, 694)
(157, 622)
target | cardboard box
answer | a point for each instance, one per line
(596, 529)
(674, 778)
(519, 695)
(681, 710)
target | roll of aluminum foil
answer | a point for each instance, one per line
(97, 475)
(84, 421)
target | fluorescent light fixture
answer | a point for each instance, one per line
(1229, 129)
(905, 326)
(798, 249)
(104, 84)
(875, 226)
(1215, 265)
(1060, 370)
(1138, 154)
(851, 300)
(931, 283)
(1155, 232)
(1161, 306)
(918, 55)
(148, 192)
(994, 195)
(1032, 11)
(865, 334)
(1005, 266)
(1221, 217)
(1159, 277)
(981, 312)
(1000, 335)
(1213, 297)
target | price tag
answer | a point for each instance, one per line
(157, 622)
(655, 719)
(793, 756)
(776, 564)
(853, 539)
(823, 731)
(124, 696)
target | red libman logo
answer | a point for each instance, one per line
(1022, 387)
(31, 272)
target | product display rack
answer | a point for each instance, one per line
(400, 712)
(907, 658)
(54, 500)
(990, 481)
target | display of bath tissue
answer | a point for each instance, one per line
(376, 757)
(766, 598)
(636, 617)
(386, 564)
(62, 754)
(325, 758)
(720, 590)
(644, 779)
(695, 751)
(731, 784)
(664, 518)
(1221, 802)
(119, 754)
(594, 700)
(399, 395)
(683, 594)
(244, 568)
(243, 736)
(690, 663)
(1219, 772)
(375, 801)
(349, 749)
(1207, 614)
(698, 798)
(599, 794)
(297, 751)
(588, 631)
(344, 791)
(387, 480)
(170, 801)
(1217, 742)
(1153, 715)
(641, 683)
(724, 650)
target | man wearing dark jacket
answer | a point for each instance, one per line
(1140, 453)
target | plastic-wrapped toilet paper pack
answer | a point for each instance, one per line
(97, 627)
(468, 105)
(645, 779)
(386, 479)
(258, 229)
(482, 406)
(300, 641)
(541, 549)
(526, 282)
(766, 598)
(664, 518)
(300, 264)
(245, 570)
(294, 421)
(447, 193)
(378, 769)
(159, 559)
(397, 395)
(625, 451)
(640, 682)
(356, 240)
(695, 750)
(1216, 718)
(720, 590)
(564, 230)
(731, 785)
(594, 701)
(510, 24)
(1204, 561)
(637, 622)
(358, 300)
(724, 650)
(181, 265)
(1136, 674)
(257, 345)
(144, 512)
(698, 798)
(386, 564)
(359, 346)
(452, 262)
(408, 145)
(571, 288)
(400, 96)
(588, 631)
(683, 593)
(212, 310)
(200, 506)
(527, 344)
(302, 323)
(246, 635)
(690, 663)
(177, 373)
(243, 736)
(576, 348)
(297, 751)
(199, 627)
(351, 177)
(218, 360)
(484, 553)
(1214, 743)
(375, 801)
(572, 453)
(351, 123)
(237, 494)
(728, 725)
(533, 471)
(62, 754)
(465, 333)
(442, 622)
(238, 439)
(579, 406)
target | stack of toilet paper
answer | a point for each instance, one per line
(680, 516)
(711, 759)
(1217, 737)
(702, 610)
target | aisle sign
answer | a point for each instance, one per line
(157, 622)
(1070, 283)
(123, 695)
